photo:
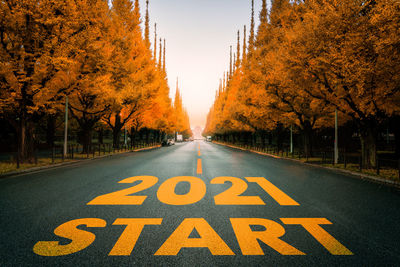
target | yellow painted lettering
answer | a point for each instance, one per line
(166, 193)
(248, 239)
(123, 197)
(312, 225)
(129, 237)
(232, 196)
(208, 239)
(80, 239)
(273, 191)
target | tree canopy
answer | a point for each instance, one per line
(310, 58)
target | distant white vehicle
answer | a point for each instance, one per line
(171, 142)
(179, 138)
(209, 139)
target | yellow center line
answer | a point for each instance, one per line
(199, 168)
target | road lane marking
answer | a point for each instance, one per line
(199, 167)
(247, 238)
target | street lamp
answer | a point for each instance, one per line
(291, 139)
(336, 153)
(66, 128)
(126, 145)
(125, 135)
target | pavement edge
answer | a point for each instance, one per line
(353, 174)
(67, 163)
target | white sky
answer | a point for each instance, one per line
(198, 35)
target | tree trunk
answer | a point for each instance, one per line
(117, 131)
(147, 136)
(133, 136)
(163, 136)
(307, 137)
(87, 139)
(263, 139)
(395, 122)
(143, 136)
(156, 135)
(22, 140)
(368, 146)
(26, 144)
(279, 137)
(397, 142)
(50, 131)
(307, 143)
(116, 137)
(101, 135)
(269, 139)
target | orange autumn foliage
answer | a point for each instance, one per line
(89, 51)
(310, 58)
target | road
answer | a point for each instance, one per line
(173, 210)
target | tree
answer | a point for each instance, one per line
(310, 58)
(83, 50)
(90, 89)
(285, 88)
(350, 49)
(132, 68)
(35, 61)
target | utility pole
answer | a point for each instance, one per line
(66, 129)
(291, 139)
(336, 154)
(125, 136)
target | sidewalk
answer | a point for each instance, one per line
(358, 175)
(69, 162)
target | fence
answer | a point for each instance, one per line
(74, 152)
(389, 168)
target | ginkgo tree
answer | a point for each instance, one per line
(37, 61)
(91, 93)
(285, 88)
(181, 118)
(350, 50)
(132, 69)
(90, 52)
(310, 58)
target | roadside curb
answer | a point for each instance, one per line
(67, 163)
(358, 175)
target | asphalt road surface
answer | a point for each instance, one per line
(196, 204)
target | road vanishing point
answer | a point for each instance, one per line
(196, 204)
